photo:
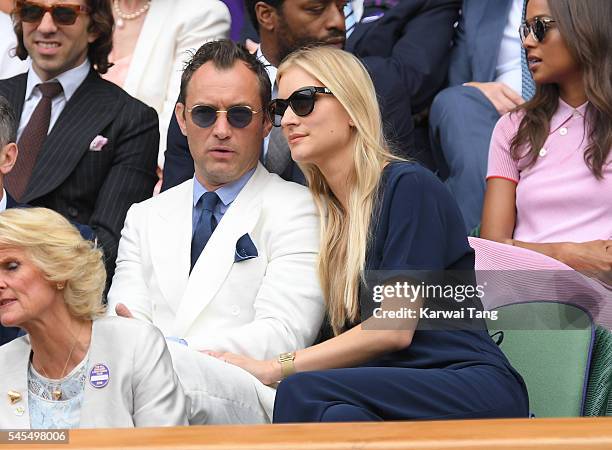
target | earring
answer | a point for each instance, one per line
(60, 286)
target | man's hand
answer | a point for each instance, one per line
(502, 96)
(123, 311)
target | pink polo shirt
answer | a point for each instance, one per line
(558, 198)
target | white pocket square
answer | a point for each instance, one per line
(98, 143)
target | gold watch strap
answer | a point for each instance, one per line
(287, 364)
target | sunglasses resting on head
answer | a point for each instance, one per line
(301, 102)
(62, 13)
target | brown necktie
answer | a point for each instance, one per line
(32, 140)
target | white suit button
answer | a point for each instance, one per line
(235, 310)
(543, 152)
(563, 131)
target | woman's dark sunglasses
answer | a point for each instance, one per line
(537, 27)
(301, 101)
(205, 116)
(62, 13)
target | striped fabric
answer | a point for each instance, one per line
(514, 274)
(349, 19)
(94, 187)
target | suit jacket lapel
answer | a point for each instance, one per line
(217, 258)
(10, 201)
(151, 29)
(93, 397)
(16, 93)
(15, 378)
(491, 30)
(370, 17)
(92, 107)
(170, 242)
(356, 35)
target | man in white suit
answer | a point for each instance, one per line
(226, 260)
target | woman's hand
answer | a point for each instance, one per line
(593, 258)
(267, 371)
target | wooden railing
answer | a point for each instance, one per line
(578, 433)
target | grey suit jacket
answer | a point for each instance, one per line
(142, 391)
(477, 41)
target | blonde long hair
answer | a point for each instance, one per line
(351, 85)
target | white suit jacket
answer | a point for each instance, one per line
(142, 391)
(171, 29)
(258, 307)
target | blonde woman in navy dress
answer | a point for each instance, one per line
(379, 213)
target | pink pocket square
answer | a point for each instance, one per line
(98, 143)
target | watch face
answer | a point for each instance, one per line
(283, 357)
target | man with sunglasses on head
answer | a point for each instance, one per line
(87, 149)
(487, 78)
(224, 262)
(404, 44)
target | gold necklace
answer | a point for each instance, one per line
(57, 393)
(121, 16)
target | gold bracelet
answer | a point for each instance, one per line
(287, 364)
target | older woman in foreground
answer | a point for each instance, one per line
(74, 369)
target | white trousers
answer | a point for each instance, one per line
(218, 392)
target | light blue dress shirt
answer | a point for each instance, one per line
(227, 194)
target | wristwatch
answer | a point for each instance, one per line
(286, 363)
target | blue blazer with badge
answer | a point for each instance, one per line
(477, 41)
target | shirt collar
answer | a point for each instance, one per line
(564, 112)
(3, 201)
(269, 67)
(70, 80)
(227, 193)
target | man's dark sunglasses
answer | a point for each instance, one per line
(301, 101)
(205, 116)
(62, 13)
(537, 27)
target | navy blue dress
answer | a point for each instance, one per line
(455, 374)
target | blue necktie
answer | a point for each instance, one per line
(528, 87)
(205, 227)
(349, 19)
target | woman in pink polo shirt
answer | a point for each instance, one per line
(549, 181)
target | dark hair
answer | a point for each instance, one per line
(224, 54)
(102, 23)
(249, 5)
(8, 123)
(585, 27)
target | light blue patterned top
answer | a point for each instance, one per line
(46, 413)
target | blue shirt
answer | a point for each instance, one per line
(227, 194)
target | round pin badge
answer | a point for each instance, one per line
(99, 376)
